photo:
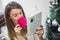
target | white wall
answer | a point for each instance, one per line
(0, 7)
(45, 14)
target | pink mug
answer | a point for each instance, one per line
(22, 22)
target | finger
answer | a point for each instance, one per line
(17, 26)
(17, 30)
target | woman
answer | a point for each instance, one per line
(13, 12)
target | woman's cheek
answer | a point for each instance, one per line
(15, 20)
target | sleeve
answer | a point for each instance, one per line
(4, 33)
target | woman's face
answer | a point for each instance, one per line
(39, 31)
(15, 14)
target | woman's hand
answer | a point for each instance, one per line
(17, 29)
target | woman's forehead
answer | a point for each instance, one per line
(15, 11)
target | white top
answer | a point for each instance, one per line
(4, 32)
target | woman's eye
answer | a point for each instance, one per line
(15, 15)
(20, 13)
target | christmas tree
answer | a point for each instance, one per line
(53, 22)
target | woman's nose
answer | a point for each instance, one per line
(19, 16)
